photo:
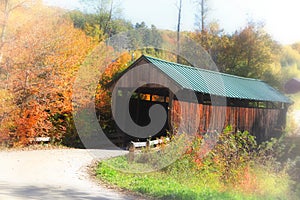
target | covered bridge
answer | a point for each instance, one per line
(221, 99)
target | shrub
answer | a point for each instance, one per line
(231, 152)
(232, 169)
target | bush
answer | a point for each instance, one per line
(232, 169)
(231, 153)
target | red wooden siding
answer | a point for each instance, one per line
(264, 123)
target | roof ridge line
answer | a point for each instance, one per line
(207, 70)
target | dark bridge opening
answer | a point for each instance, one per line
(140, 103)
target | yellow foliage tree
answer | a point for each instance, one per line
(40, 62)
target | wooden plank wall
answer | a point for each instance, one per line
(263, 123)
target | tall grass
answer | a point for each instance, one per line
(237, 168)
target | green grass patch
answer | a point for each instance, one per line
(182, 181)
(236, 168)
(162, 185)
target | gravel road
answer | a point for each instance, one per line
(53, 174)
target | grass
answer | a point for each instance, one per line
(159, 185)
(236, 168)
(182, 181)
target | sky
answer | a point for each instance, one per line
(281, 18)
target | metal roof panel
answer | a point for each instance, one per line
(216, 83)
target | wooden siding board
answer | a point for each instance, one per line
(260, 122)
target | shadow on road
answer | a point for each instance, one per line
(48, 192)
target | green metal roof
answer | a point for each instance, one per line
(219, 84)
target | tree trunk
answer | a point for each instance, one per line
(3, 29)
(202, 16)
(178, 30)
(106, 27)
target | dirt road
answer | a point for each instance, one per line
(52, 174)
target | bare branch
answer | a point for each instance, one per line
(17, 5)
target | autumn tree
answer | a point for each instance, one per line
(8, 110)
(209, 34)
(213, 41)
(42, 61)
(8, 13)
(103, 94)
(251, 52)
(6, 8)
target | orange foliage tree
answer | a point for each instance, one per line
(40, 62)
(103, 95)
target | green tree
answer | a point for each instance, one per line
(290, 62)
(79, 19)
(142, 36)
(296, 46)
(101, 23)
(101, 19)
(290, 56)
